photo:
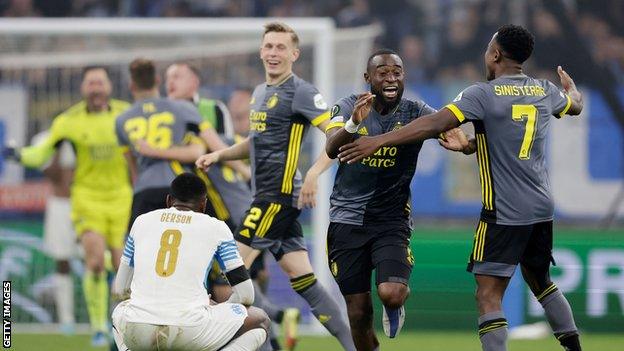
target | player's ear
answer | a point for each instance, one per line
(498, 56)
(366, 78)
(202, 206)
(296, 53)
(169, 200)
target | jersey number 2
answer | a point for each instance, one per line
(520, 113)
(168, 254)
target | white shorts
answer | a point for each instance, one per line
(217, 327)
(58, 232)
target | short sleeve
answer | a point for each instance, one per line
(122, 137)
(193, 120)
(426, 110)
(310, 103)
(127, 255)
(341, 112)
(559, 100)
(227, 254)
(470, 104)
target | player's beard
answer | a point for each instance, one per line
(387, 104)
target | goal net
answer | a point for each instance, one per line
(40, 66)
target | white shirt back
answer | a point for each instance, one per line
(171, 252)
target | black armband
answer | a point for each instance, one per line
(237, 275)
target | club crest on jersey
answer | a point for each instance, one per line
(398, 125)
(272, 102)
(335, 110)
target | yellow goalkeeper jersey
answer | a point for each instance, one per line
(100, 164)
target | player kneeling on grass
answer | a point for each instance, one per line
(164, 265)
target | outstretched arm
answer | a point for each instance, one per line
(235, 152)
(185, 153)
(214, 142)
(418, 130)
(456, 140)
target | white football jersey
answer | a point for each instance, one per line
(171, 252)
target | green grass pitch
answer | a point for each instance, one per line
(408, 341)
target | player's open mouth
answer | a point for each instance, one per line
(272, 63)
(390, 92)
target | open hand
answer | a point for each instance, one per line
(454, 140)
(566, 81)
(307, 196)
(360, 148)
(362, 107)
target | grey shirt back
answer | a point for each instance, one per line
(512, 115)
(162, 123)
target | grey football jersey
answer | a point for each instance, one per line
(162, 123)
(376, 189)
(279, 119)
(511, 115)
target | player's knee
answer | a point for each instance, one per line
(360, 319)
(258, 318)
(392, 295)
(488, 298)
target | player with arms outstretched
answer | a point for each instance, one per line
(282, 109)
(164, 264)
(370, 203)
(100, 192)
(155, 123)
(511, 114)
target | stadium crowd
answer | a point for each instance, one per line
(421, 30)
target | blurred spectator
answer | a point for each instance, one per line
(357, 13)
(238, 104)
(413, 54)
(20, 8)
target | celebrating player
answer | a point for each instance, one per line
(511, 114)
(166, 257)
(100, 192)
(156, 124)
(281, 111)
(228, 193)
(370, 203)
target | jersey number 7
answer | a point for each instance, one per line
(520, 113)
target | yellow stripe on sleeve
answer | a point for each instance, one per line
(205, 125)
(320, 118)
(567, 107)
(458, 114)
(334, 125)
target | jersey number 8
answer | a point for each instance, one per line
(168, 254)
